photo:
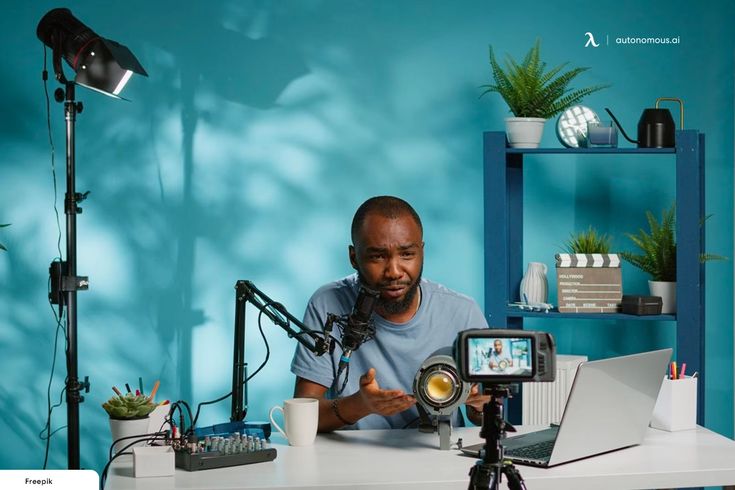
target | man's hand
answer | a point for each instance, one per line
(475, 399)
(382, 402)
(475, 402)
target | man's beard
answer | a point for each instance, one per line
(395, 306)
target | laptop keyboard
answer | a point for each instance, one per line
(539, 451)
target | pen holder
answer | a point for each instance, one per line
(676, 406)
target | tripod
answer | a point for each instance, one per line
(488, 472)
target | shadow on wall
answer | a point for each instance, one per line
(211, 175)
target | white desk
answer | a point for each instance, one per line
(407, 459)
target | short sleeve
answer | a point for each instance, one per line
(305, 364)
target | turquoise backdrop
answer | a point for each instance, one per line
(263, 125)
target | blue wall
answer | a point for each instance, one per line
(260, 129)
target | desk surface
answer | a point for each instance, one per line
(408, 459)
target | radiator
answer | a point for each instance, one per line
(543, 403)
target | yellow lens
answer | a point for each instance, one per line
(439, 387)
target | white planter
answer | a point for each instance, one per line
(524, 132)
(667, 292)
(126, 428)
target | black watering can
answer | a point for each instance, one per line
(656, 126)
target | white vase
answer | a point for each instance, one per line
(534, 285)
(126, 428)
(667, 292)
(524, 132)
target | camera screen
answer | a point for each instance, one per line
(500, 356)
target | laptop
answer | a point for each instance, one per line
(609, 408)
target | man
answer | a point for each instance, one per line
(413, 318)
(499, 361)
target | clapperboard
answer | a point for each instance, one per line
(589, 283)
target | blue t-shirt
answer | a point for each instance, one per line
(397, 350)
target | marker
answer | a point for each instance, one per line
(673, 370)
(683, 370)
(116, 391)
(140, 385)
(127, 386)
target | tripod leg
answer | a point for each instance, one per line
(483, 477)
(515, 480)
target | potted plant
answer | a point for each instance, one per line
(588, 242)
(588, 276)
(658, 256)
(128, 417)
(533, 94)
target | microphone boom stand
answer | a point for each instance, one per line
(247, 292)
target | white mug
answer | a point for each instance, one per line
(301, 418)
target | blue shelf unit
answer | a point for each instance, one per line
(503, 206)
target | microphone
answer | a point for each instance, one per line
(359, 328)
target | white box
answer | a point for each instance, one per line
(676, 406)
(153, 461)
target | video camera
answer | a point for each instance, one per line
(501, 356)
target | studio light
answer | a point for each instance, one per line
(99, 64)
(104, 66)
(439, 391)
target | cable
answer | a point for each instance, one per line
(46, 432)
(147, 437)
(267, 356)
(275, 309)
(344, 383)
(265, 341)
(53, 150)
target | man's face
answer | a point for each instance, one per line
(498, 345)
(388, 255)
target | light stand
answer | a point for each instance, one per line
(105, 66)
(487, 472)
(71, 283)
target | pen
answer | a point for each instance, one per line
(116, 391)
(683, 370)
(140, 385)
(673, 370)
(127, 386)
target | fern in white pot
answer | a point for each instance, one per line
(534, 94)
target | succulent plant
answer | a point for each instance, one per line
(129, 406)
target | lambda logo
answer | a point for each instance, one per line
(590, 40)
